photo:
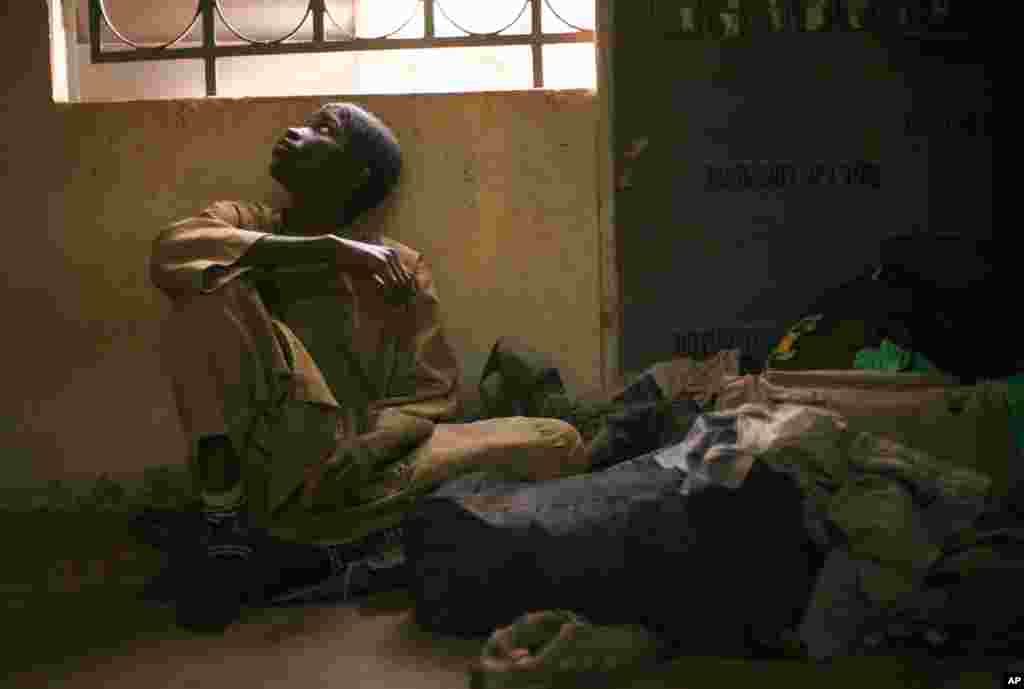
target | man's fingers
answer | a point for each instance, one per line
(395, 270)
(407, 276)
(404, 276)
(406, 282)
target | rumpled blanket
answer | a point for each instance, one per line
(889, 506)
(693, 379)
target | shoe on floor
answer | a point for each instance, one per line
(212, 571)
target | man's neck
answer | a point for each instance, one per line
(303, 221)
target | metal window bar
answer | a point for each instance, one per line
(207, 12)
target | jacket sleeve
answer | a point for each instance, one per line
(432, 392)
(198, 255)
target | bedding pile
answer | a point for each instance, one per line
(854, 495)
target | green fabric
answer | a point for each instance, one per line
(517, 380)
(871, 489)
(1015, 397)
(891, 357)
(881, 523)
(559, 648)
(327, 332)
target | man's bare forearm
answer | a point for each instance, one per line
(281, 251)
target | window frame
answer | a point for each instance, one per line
(207, 12)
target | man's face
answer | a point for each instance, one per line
(311, 161)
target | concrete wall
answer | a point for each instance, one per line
(500, 194)
(695, 258)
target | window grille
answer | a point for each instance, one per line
(209, 12)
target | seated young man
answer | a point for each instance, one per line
(296, 337)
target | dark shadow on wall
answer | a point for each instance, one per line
(696, 255)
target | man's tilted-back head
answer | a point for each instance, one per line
(343, 161)
(373, 143)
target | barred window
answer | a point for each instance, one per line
(143, 49)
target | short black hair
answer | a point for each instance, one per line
(372, 142)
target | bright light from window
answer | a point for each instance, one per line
(412, 70)
(446, 70)
(570, 66)
(385, 18)
(481, 17)
(580, 14)
(58, 54)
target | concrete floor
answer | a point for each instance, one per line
(307, 648)
(71, 619)
(372, 646)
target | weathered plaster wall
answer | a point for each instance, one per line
(500, 194)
